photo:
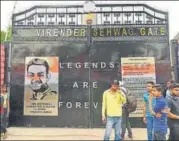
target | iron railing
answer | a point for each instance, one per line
(105, 14)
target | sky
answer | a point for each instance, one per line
(171, 6)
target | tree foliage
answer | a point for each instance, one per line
(9, 36)
(3, 34)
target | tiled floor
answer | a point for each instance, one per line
(65, 134)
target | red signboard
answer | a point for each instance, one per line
(2, 64)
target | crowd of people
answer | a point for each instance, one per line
(161, 111)
(4, 111)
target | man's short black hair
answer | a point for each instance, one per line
(151, 82)
(157, 87)
(175, 85)
(115, 82)
(38, 61)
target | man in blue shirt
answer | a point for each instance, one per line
(160, 112)
(147, 116)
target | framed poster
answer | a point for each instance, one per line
(136, 72)
(41, 86)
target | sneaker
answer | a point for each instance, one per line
(122, 136)
(130, 136)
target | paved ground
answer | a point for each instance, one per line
(65, 134)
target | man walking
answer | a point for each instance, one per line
(112, 107)
(160, 112)
(173, 120)
(5, 104)
(125, 114)
(166, 92)
(147, 116)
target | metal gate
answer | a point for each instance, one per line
(89, 56)
(175, 58)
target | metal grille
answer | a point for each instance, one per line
(106, 14)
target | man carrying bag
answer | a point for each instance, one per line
(130, 106)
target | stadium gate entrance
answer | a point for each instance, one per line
(61, 65)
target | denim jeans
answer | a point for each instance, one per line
(5, 117)
(113, 122)
(159, 136)
(3, 127)
(149, 127)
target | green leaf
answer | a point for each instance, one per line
(9, 36)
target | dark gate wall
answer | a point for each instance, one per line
(90, 57)
(175, 59)
(112, 52)
(76, 52)
(67, 53)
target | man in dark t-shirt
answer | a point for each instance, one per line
(173, 104)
